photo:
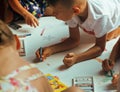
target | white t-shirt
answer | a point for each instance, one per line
(103, 17)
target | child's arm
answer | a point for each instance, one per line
(93, 52)
(29, 18)
(113, 56)
(115, 51)
(69, 43)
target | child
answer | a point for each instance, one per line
(96, 17)
(16, 74)
(30, 10)
(115, 54)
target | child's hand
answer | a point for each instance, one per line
(106, 66)
(115, 80)
(73, 89)
(46, 52)
(70, 59)
(31, 20)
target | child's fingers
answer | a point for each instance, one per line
(34, 23)
(115, 80)
(28, 22)
(115, 77)
(45, 54)
(105, 65)
(69, 55)
(68, 61)
(37, 54)
(44, 57)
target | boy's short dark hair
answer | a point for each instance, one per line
(66, 3)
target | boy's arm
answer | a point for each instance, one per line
(69, 43)
(94, 51)
(115, 51)
(106, 65)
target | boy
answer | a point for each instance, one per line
(96, 17)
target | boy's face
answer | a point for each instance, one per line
(62, 13)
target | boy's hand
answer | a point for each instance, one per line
(106, 66)
(115, 80)
(31, 20)
(46, 52)
(69, 59)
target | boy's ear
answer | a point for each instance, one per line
(17, 42)
(76, 10)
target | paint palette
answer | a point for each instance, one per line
(55, 83)
(84, 82)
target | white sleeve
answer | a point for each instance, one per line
(102, 26)
(73, 22)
